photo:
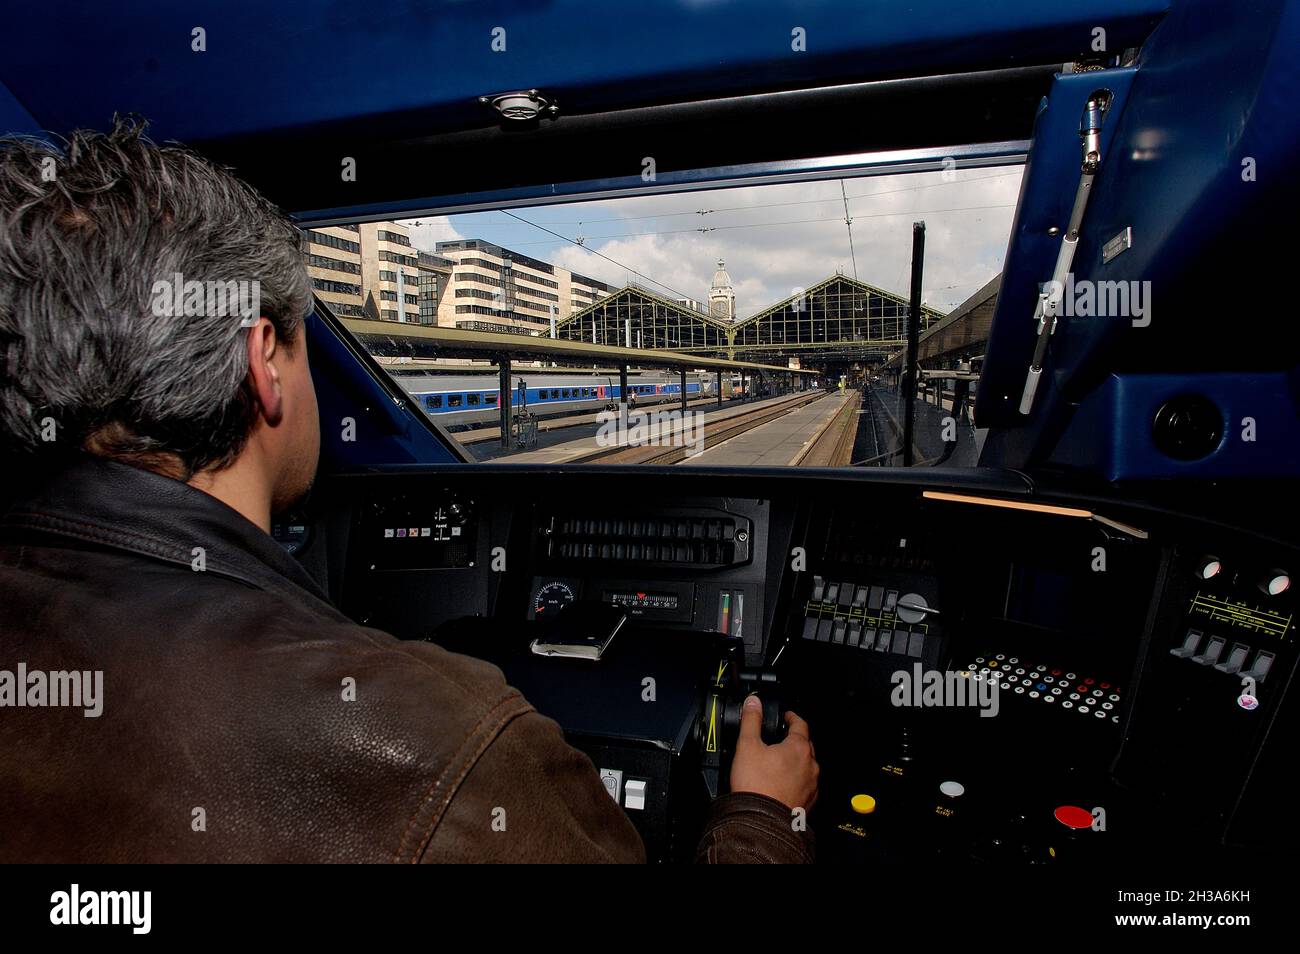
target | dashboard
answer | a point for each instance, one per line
(990, 672)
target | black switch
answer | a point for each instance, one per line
(824, 630)
(1236, 659)
(1213, 650)
(1191, 642)
(1260, 667)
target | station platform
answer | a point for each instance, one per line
(779, 443)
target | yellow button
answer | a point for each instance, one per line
(863, 804)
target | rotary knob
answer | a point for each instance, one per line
(912, 608)
(1208, 567)
(1275, 582)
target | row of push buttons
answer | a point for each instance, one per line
(860, 617)
(1085, 695)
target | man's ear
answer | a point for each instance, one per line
(263, 350)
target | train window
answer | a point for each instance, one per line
(433, 400)
(490, 397)
(814, 319)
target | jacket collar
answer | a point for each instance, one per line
(124, 508)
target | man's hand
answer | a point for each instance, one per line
(786, 771)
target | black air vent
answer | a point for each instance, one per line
(696, 538)
(877, 539)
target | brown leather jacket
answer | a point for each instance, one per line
(227, 731)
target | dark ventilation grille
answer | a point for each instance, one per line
(701, 539)
(876, 540)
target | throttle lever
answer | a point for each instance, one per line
(773, 724)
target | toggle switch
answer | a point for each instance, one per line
(1213, 650)
(1191, 643)
(1236, 659)
(635, 794)
(1260, 667)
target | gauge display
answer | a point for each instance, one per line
(550, 598)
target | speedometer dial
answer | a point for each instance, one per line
(550, 598)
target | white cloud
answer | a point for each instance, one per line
(774, 238)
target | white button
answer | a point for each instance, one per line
(635, 794)
(1108, 706)
(952, 789)
(1069, 675)
(1067, 704)
(1013, 660)
(1020, 672)
(1020, 690)
(1049, 698)
(1056, 692)
(612, 779)
(1084, 709)
(1000, 656)
(1114, 697)
(1074, 695)
(1100, 714)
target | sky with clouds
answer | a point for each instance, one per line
(773, 238)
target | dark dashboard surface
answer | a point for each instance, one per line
(990, 672)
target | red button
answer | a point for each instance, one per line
(1072, 816)
(1088, 682)
(1056, 672)
(1105, 685)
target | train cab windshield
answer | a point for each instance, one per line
(864, 441)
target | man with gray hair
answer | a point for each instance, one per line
(156, 427)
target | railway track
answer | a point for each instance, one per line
(715, 432)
